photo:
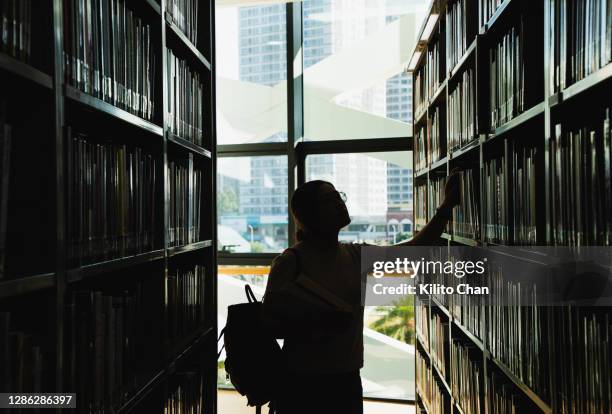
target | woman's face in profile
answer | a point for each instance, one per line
(332, 210)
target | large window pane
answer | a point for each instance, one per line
(251, 73)
(252, 204)
(379, 190)
(355, 56)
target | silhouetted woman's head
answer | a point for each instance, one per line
(318, 210)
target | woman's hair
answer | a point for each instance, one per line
(303, 207)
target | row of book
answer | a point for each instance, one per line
(420, 148)
(435, 195)
(420, 206)
(486, 9)
(581, 39)
(185, 100)
(583, 360)
(466, 381)
(456, 32)
(108, 53)
(516, 330)
(507, 76)
(101, 347)
(468, 310)
(21, 359)
(431, 392)
(434, 137)
(185, 188)
(5, 168)
(421, 98)
(184, 14)
(581, 208)
(421, 316)
(496, 205)
(432, 67)
(112, 198)
(188, 395)
(16, 28)
(524, 196)
(439, 341)
(462, 111)
(502, 397)
(184, 300)
(466, 216)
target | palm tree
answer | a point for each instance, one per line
(398, 320)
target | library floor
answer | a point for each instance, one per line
(230, 402)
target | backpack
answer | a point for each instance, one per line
(253, 357)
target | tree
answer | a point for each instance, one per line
(397, 321)
(227, 201)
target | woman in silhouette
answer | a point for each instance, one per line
(323, 370)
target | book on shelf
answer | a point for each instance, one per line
(456, 32)
(431, 391)
(496, 203)
(111, 197)
(184, 14)
(185, 189)
(16, 28)
(523, 189)
(434, 135)
(420, 148)
(580, 40)
(507, 75)
(421, 316)
(466, 381)
(187, 395)
(5, 168)
(487, 9)
(439, 342)
(21, 359)
(582, 360)
(433, 68)
(435, 195)
(108, 53)
(502, 396)
(420, 206)
(185, 100)
(469, 310)
(421, 97)
(184, 300)
(101, 349)
(462, 111)
(581, 184)
(466, 216)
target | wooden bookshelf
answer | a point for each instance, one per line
(532, 127)
(42, 103)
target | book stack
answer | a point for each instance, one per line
(21, 359)
(516, 331)
(420, 206)
(433, 69)
(184, 300)
(583, 360)
(188, 394)
(462, 111)
(101, 347)
(496, 203)
(5, 168)
(108, 54)
(185, 100)
(439, 341)
(486, 10)
(581, 39)
(184, 14)
(466, 383)
(456, 32)
(466, 221)
(421, 98)
(185, 187)
(524, 192)
(507, 76)
(16, 28)
(420, 148)
(435, 194)
(435, 144)
(581, 209)
(421, 314)
(112, 196)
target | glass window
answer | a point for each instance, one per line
(375, 204)
(348, 76)
(250, 38)
(252, 204)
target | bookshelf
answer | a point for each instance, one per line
(541, 78)
(109, 287)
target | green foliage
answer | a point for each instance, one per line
(397, 321)
(227, 201)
